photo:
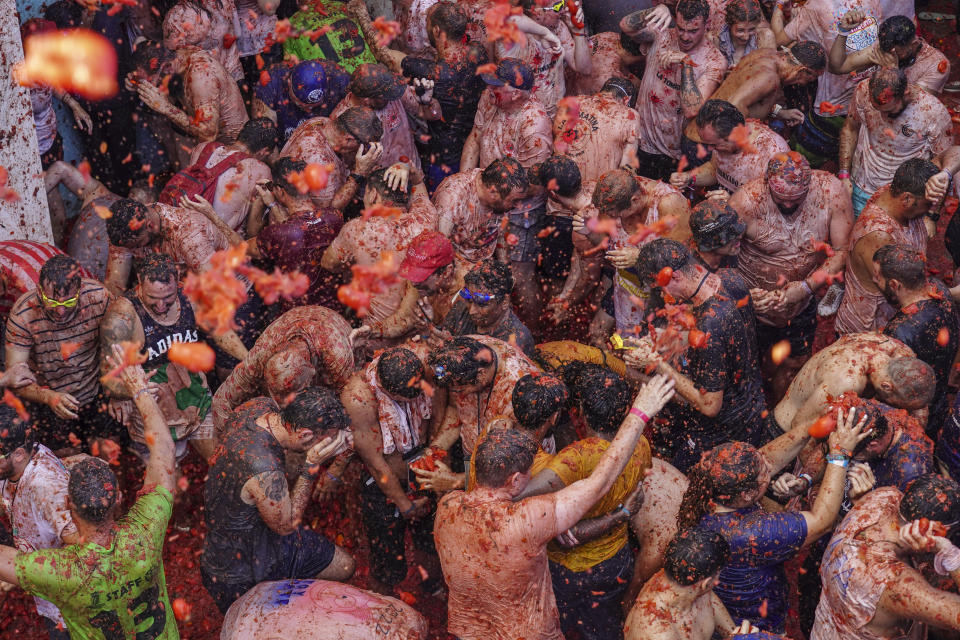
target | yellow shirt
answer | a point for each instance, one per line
(563, 352)
(577, 462)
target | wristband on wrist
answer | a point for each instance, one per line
(333, 477)
(842, 452)
(137, 394)
(623, 508)
(947, 560)
(309, 471)
(640, 414)
(843, 174)
(842, 32)
(408, 510)
(840, 461)
(777, 108)
(693, 180)
(808, 478)
(803, 283)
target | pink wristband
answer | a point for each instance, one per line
(640, 414)
(843, 174)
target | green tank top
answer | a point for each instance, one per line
(343, 43)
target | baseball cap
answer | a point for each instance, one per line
(376, 81)
(426, 253)
(714, 224)
(511, 72)
(308, 82)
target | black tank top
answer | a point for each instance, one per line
(158, 337)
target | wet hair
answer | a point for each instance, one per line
(933, 497)
(896, 31)
(722, 474)
(502, 453)
(396, 197)
(692, 9)
(659, 254)
(505, 175)
(449, 18)
(458, 362)
(614, 190)
(902, 263)
(911, 177)
(913, 379)
(887, 84)
(695, 555)
(810, 54)
(562, 170)
(621, 88)
(362, 123)
(62, 272)
(127, 214)
(630, 45)
(413, 67)
(743, 11)
(492, 276)
(721, 115)
(15, 433)
(604, 397)
(877, 423)
(535, 398)
(282, 169)
(259, 134)
(156, 267)
(93, 489)
(400, 371)
(315, 408)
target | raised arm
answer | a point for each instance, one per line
(120, 324)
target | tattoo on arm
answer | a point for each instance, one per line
(689, 93)
(274, 485)
(636, 20)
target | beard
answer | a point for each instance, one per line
(890, 296)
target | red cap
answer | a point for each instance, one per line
(426, 253)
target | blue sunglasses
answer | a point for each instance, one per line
(481, 299)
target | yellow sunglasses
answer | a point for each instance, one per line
(558, 6)
(69, 303)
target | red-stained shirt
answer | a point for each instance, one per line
(327, 336)
(607, 63)
(549, 84)
(735, 169)
(600, 134)
(475, 226)
(20, 264)
(308, 143)
(397, 137)
(494, 559)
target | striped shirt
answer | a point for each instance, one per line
(20, 262)
(78, 374)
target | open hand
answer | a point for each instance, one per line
(654, 395)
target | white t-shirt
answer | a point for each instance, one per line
(37, 506)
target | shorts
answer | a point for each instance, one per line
(556, 248)
(386, 530)
(691, 151)
(818, 138)
(860, 199)
(525, 227)
(800, 332)
(655, 166)
(304, 554)
(589, 601)
(204, 431)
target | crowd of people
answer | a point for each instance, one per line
(626, 319)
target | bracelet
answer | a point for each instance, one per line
(843, 452)
(803, 283)
(843, 174)
(807, 477)
(333, 477)
(306, 471)
(640, 414)
(840, 461)
(408, 511)
(843, 33)
(137, 394)
(270, 205)
(623, 508)
(693, 180)
(777, 108)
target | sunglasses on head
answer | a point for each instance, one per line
(558, 6)
(69, 303)
(481, 299)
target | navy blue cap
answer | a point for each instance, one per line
(511, 72)
(308, 82)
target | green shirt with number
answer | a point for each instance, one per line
(343, 43)
(112, 593)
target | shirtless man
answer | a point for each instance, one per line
(431, 289)
(871, 586)
(868, 364)
(303, 347)
(886, 104)
(678, 603)
(390, 417)
(631, 203)
(157, 315)
(683, 69)
(756, 85)
(896, 47)
(228, 174)
(895, 215)
(349, 143)
(471, 204)
(737, 158)
(498, 577)
(479, 373)
(376, 87)
(601, 133)
(363, 242)
(512, 123)
(214, 106)
(798, 226)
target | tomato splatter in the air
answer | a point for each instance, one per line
(78, 61)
